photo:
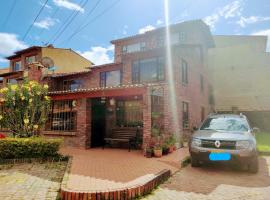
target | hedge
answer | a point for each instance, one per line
(37, 147)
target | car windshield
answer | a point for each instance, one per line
(225, 124)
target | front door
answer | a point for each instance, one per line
(98, 122)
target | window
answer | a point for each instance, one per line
(62, 116)
(129, 113)
(202, 113)
(148, 70)
(134, 47)
(17, 66)
(30, 59)
(182, 36)
(12, 81)
(110, 78)
(160, 41)
(201, 83)
(72, 84)
(157, 111)
(185, 115)
(184, 72)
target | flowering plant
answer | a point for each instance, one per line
(2, 136)
(24, 108)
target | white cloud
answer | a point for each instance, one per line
(264, 32)
(159, 22)
(3, 60)
(99, 55)
(68, 5)
(46, 6)
(146, 28)
(243, 21)
(9, 43)
(125, 30)
(46, 23)
(211, 20)
(231, 10)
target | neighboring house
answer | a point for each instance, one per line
(134, 91)
(239, 69)
(60, 61)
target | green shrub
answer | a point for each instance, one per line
(34, 147)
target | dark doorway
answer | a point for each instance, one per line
(98, 122)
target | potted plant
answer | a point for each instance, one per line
(165, 148)
(172, 141)
(148, 152)
(158, 151)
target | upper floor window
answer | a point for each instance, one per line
(148, 70)
(160, 41)
(184, 72)
(185, 116)
(12, 81)
(17, 66)
(134, 47)
(110, 78)
(30, 59)
(201, 83)
(182, 36)
(72, 84)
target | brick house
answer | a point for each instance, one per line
(134, 90)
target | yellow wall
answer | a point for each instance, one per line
(240, 74)
(66, 60)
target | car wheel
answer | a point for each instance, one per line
(253, 166)
(194, 162)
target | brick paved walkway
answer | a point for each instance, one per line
(111, 169)
(31, 181)
(216, 183)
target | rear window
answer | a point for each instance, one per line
(225, 124)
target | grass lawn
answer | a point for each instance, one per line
(263, 142)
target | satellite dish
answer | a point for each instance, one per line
(47, 62)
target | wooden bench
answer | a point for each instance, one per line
(123, 135)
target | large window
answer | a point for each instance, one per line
(129, 113)
(30, 59)
(148, 70)
(185, 115)
(17, 66)
(12, 81)
(110, 78)
(134, 47)
(72, 84)
(184, 72)
(62, 116)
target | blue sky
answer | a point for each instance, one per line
(113, 19)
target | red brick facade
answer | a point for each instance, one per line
(192, 49)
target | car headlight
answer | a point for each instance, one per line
(242, 144)
(196, 142)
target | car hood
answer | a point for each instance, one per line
(222, 135)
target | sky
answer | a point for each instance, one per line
(88, 26)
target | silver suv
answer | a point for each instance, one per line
(224, 138)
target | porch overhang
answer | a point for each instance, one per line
(117, 91)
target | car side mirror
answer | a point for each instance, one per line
(255, 130)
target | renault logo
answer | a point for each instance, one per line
(217, 144)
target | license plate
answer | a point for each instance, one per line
(219, 156)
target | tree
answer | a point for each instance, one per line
(24, 108)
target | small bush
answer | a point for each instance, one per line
(35, 147)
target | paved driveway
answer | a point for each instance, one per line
(216, 182)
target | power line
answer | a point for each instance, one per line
(71, 20)
(89, 13)
(94, 19)
(30, 27)
(52, 16)
(9, 13)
